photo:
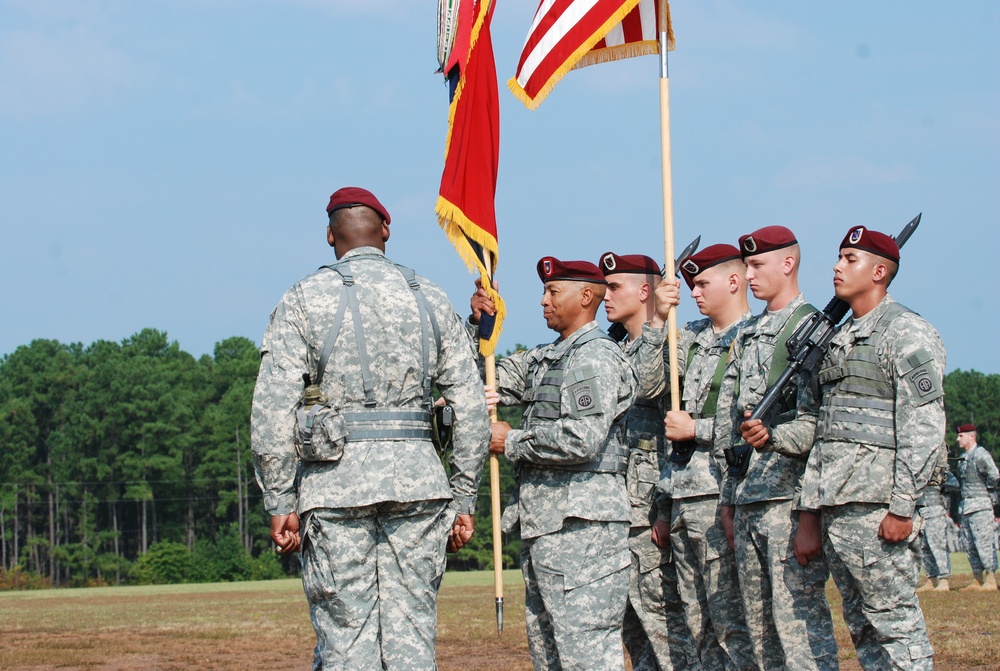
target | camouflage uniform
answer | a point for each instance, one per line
(979, 475)
(880, 426)
(655, 632)
(375, 521)
(706, 567)
(784, 602)
(934, 533)
(570, 501)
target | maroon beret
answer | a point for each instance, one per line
(353, 196)
(551, 268)
(881, 244)
(612, 263)
(967, 428)
(766, 239)
(713, 255)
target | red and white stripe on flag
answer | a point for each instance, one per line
(568, 34)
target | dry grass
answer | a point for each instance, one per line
(266, 626)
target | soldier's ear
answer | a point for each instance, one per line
(385, 230)
(330, 240)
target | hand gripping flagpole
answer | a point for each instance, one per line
(495, 514)
(664, 36)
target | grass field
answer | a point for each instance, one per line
(265, 626)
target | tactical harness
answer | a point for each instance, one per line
(859, 394)
(738, 456)
(358, 422)
(544, 405)
(683, 450)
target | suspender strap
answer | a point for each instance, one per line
(779, 360)
(338, 319)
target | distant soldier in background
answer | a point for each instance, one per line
(570, 502)
(932, 508)
(979, 476)
(706, 566)
(655, 632)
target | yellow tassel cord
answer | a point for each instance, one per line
(457, 226)
(460, 230)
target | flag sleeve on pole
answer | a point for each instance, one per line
(569, 34)
(466, 202)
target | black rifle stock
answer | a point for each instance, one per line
(806, 349)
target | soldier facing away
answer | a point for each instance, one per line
(979, 476)
(655, 632)
(706, 566)
(570, 501)
(354, 459)
(878, 436)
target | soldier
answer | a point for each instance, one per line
(933, 538)
(979, 476)
(570, 501)
(655, 632)
(355, 459)
(879, 430)
(784, 601)
(706, 568)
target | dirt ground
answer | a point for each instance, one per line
(265, 626)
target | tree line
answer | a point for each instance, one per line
(129, 462)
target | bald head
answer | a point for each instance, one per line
(354, 227)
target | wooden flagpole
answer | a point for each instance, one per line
(663, 30)
(495, 513)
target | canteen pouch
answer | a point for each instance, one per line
(320, 432)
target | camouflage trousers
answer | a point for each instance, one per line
(934, 546)
(575, 590)
(371, 576)
(654, 631)
(878, 582)
(784, 602)
(708, 584)
(981, 539)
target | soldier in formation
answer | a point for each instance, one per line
(349, 473)
(570, 455)
(979, 477)
(706, 568)
(879, 433)
(784, 601)
(655, 633)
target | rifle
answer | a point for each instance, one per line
(617, 330)
(806, 349)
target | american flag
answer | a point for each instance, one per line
(568, 34)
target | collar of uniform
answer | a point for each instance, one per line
(359, 251)
(561, 347)
(771, 323)
(864, 328)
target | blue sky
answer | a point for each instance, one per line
(167, 164)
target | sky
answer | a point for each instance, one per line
(167, 164)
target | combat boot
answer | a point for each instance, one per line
(931, 584)
(974, 587)
(989, 582)
(942, 585)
